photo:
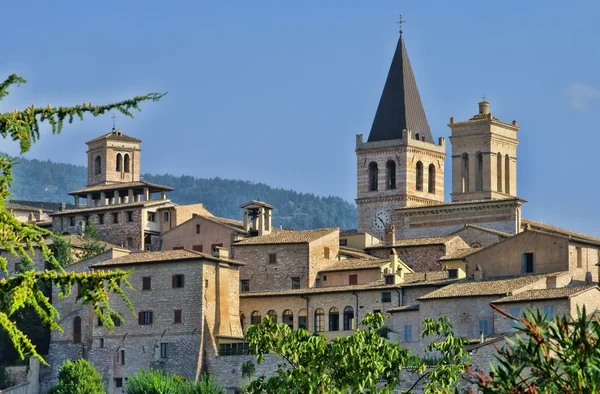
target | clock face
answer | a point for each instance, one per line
(381, 220)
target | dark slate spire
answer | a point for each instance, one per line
(400, 106)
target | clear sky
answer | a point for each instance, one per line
(276, 91)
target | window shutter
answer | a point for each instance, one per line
(140, 317)
(150, 317)
(182, 280)
(174, 280)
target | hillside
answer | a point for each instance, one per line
(49, 181)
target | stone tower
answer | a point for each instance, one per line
(484, 157)
(113, 158)
(400, 165)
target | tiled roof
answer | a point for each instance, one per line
(352, 231)
(545, 294)
(77, 241)
(115, 135)
(287, 237)
(458, 254)
(486, 287)
(405, 308)
(416, 242)
(354, 264)
(161, 257)
(113, 206)
(344, 250)
(455, 203)
(525, 223)
(120, 186)
(257, 202)
(11, 204)
(378, 285)
(488, 230)
(238, 224)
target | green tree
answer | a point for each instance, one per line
(557, 356)
(91, 241)
(360, 363)
(61, 250)
(25, 290)
(152, 381)
(78, 377)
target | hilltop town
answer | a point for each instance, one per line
(201, 279)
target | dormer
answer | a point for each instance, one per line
(257, 218)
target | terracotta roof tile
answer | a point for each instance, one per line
(120, 186)
(378, 285)
(525, 223)
(358, 253)
(161, 257)
(287, 237)
(441, 205)
(545, 294)
(354, 264)
(481, 228)
(115, 135)
(458, 254)
(417, 242)
(405, 308)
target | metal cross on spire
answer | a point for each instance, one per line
(401, 22)
(483, 98)
(113, 118)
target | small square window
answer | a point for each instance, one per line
(353, 279)
(177, 316)
(118, 382)
(343, 242)
(296, 282)
(72, 220)
(177, 281)
(151, 217)
(101, 343)
(386, 296)
(272, 258)
(145, 318)
(326, 252)
(115, 217)
(389, 279)
(116, 320)
(130, 216)
(245, 285)
(146, 283)
(100, 218)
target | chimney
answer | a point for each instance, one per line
(220, 253)
(62, 207)
(478, 275)
(390, 235)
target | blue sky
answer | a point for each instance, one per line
(276, 91)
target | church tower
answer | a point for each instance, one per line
(484, 157)
(400, 165)
(113, 158)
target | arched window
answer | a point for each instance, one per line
(126, 163)
(242, 320)
(507, 174)
(465, 173)
(419, 175)
(77, 329)
(431, 179)
(288, 318)
(334, 319)
(391, 174)
(302, 319)
(98, 165)
(499, 170)
(119, 162)
(255, 318)
(373, 176)
(273, 315)
(319, 320)
(479, 173)
(348, 318)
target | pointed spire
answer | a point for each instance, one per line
(400, 105)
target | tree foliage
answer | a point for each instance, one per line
(78, 377)
(25, 290)
(557, 356)
(91, 241)
(62, 251)
(360, 363)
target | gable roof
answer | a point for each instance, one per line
(288, 237)
(547, 228)
(545, 294)
(109, 207)
(400, 105)
(358, 253)
(355, 264)
(161, 257)
(458, 254)
(484, 229)
(115, 135)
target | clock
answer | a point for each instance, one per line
(381, 220)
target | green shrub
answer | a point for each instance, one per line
(151, 381)
(79, 377)
(207, 384)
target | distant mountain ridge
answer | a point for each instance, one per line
(50, 181)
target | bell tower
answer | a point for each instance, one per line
(113, 158)
(484, 157)
(399, 165)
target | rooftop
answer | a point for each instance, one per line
(287, 237)
(545, 294)
(115, 135)
(355, 264)
(378, 285)
(405, 308)
(121, 186)
(481, 228)
(458, 254)
(532, 224)
(257, 202)
(456, 203)
(161, 257)
(358, 253)
(416, 242)
(113, 206)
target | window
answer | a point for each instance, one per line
(353, 279)
(376, 311)
(197, 248)
(507, 174)
(151, 217)
(177, 316)
(499, 171)
(549, 312)
(453, 273)
(245, 285)
(116, 321)
(343, 242)
(115, 217)
(130, 216)
(431, 179)
(419, 176)
(407, 333)
(255, 318)
(177, 281)
(122, 356)
(126, 163)
(348, 318)
(100, 218)
(72, 220)
(77, 329)
(272, 258)
(389, 279)
(98, 165)
(273, 315)
(118, 382)
(164, 347)
(373, 176)
(515, 312)
(288, 318)
(177, 247)
(17, 268)
(484, 327)
(119, 162)
(527, 263)
(386, 296)
(334, 319)
(165, 217)
(145, 317)
(100, 322)
(579, 257)
(465, 173)
(302, 319)
(391, 174)
(197, 229)
(326, 252)
(479, 173)
(296, 282)
(217, 245)
(146, 283)
(101, 343)
(319, 320)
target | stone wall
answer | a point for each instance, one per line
(318, 257)
(478, 238)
